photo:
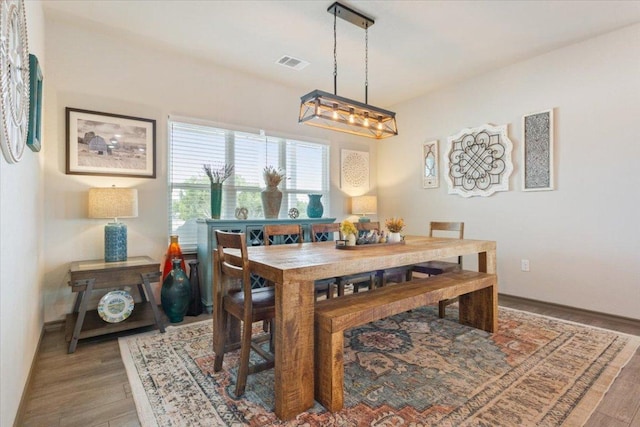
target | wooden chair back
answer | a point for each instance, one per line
(367, 226)
(292, 233)
(324, 232)
(231, 268)
(447, 228)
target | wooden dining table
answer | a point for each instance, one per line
(293, 268)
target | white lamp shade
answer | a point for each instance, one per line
(112, 202)
(363, 205)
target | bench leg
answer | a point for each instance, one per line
(329, 369)
(479, 309)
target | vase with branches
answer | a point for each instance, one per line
(272, 196)
(217, 175)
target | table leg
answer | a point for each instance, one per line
(143, 296)
(146, 280)
(294, 381)
(82, 310)
(480, 308)
(79, 297)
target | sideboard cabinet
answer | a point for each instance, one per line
(253, 230)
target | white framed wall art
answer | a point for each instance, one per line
(354, 171)
(537, 152)
(478, 162)
(430, 166)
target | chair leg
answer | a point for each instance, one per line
(219, 343)
(340, 288)
(245, 351)
(442, 305)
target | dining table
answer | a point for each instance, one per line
(293, 268)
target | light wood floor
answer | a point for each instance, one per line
(90, 387)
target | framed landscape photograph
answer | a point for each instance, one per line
(110, 144)
(537, 129)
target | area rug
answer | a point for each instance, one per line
(412, 369)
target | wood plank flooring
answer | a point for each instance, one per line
(90, 387)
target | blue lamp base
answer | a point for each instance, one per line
(115, 242)
(364, 219)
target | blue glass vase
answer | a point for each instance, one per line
(315, 208)
(176, 293)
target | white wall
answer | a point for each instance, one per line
(101, 72)
(21, 228)
(583, 240)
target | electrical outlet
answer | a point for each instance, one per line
(524, 265)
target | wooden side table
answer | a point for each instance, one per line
(87, 276)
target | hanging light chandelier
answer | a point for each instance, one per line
(330, 111)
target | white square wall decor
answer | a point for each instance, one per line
(354, 172)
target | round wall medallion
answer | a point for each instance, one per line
(14, 80)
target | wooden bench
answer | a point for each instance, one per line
(478, 308)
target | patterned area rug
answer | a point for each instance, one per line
(411, 369)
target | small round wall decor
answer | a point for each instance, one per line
(14, 80)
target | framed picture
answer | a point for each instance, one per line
(354, 171)
(479, 161)
(430, 165)
(34, 134)
(537, 153)
(110, 144)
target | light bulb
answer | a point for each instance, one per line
(366, 119)
(379, 122)
(335, 111)
(351, 118)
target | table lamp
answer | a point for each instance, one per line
(363, 205)
(112, 202)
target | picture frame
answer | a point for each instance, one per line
(537, 151)
(430, 165)
(478, 162)
(109, 144)
(354, 171)
(34, 133)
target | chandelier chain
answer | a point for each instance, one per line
(366, 65)
(335, 55)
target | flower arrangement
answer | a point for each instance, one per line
(272, 176)
(219, 173)
(347, 227)
(394, 225)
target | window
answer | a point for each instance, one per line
(306, 165)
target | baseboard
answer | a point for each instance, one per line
(27, 388)
(612, 317)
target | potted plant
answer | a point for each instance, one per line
(349, 232)
(217, 175)
(272, 196)
(395, 226)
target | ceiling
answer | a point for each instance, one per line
(414, 46)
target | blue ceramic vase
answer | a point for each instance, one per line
(315, 208)
(176, 293)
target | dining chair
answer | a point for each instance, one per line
(327, 232)
(397, 274)
(245, 304)
(292, 233)
(455, 229)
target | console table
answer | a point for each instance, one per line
(87, 276)
(253, 230)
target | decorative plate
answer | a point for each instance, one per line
(115, 306)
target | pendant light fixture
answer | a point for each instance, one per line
(330, 111)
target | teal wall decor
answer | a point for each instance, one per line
(34, 135)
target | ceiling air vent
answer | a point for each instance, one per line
(291, 62)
